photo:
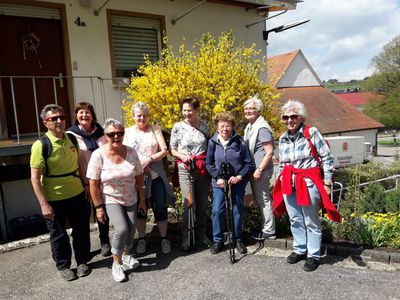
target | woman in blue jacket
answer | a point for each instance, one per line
(226, 148)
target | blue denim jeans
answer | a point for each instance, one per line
(305, 224)
(219, 212)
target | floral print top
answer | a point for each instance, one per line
(189, 140)
(117, 181)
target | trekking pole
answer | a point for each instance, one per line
(190, 228)
(229, 221)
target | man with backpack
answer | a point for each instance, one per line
(58, 187)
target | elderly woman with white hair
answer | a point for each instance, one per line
(149, 143)
(304, 183)
(258, 135)
(116, 180)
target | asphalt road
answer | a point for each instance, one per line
(30, 273)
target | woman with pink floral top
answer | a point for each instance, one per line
(116, 179)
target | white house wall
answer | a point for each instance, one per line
(298, 74)
(89, 45)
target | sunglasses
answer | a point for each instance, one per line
(293, 117)
(55, 118)
(118, 133)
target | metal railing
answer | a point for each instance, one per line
(98, 94)
(341, 189)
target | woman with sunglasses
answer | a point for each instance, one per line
(116, 180)
(301, 186)
(90, 136)
(150, 145)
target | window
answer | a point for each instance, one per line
(133, 36)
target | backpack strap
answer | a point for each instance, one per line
(308, 138)
(47, 149)
(73, 139)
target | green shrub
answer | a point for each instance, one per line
(327, 230)
(251, 219)
(392, 201)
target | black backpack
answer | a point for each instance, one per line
(47, 148)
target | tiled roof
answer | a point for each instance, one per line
(277, 66)
(329, 113)
(357, 99)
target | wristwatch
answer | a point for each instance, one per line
(260, 169)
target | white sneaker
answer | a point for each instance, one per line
(118, 272)
(141, 246)
(165, 246)
(129, 262)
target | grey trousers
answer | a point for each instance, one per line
(123, 218)
(262, 197)
(200, 191)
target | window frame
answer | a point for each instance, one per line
(111, 13)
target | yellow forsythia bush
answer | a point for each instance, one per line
(221, 75)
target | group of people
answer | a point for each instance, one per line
(120, 172)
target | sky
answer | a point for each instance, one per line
(342, 36)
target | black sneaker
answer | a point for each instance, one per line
(240, 247)
(311, 264)
(67, 275)
(216, 247)
(294, 258)
(83, 270)
(105, 250)
(262, 236)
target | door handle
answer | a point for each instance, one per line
(61, 80)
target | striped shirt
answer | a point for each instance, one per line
(295, 150)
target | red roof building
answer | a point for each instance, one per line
(294, 77)
(358, 99)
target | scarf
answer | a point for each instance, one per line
(251, 132)
(89, 138)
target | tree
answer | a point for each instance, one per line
(387, 110)
(219, 74)
(387, 68)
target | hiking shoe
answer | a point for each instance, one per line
(311, 264)
(204, 240)
(141, 246)
(262, 236)
(105, 250)
(129, 262)
(83, 270)
(165, 246)
(67, 275)
(216, 247)
(294, 258)
(241, 248)
(184, 243)
(118, 272)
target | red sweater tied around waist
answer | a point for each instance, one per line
(199, 161)
(283, 185)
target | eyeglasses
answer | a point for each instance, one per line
(293, 117)
(55, 118)
(118, 133)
